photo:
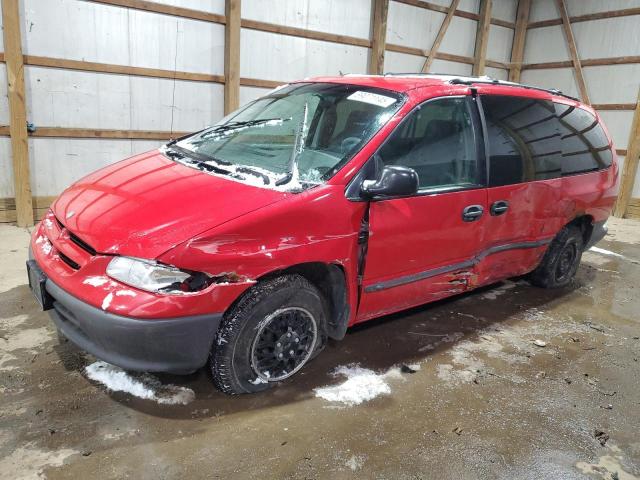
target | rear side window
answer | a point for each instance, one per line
(523, 139)
(585, 146)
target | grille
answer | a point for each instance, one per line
(68, 261)
(77, 240)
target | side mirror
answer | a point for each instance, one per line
(394, 181)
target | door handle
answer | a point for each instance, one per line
(472, 213)
(499, 207)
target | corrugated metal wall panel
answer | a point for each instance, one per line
(212, 6)
(499, 73)
(110, 34)
(343, 17)
(95, 100)
(248, 94)
(584, 7)
(460, 38)
(624, 77)
(6, 168)
(545, 44)
(499, 45)
(271, 56)
(543, 10)
(60, 162)
(411, 26)
(504, 9)
(611, 37)
(4, 101)
(560, 78)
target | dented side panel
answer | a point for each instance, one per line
(319, 225)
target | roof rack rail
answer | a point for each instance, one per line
(493, 81)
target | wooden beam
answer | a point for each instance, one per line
(255, 82)
(630, 167)
(1, 57)
(482, 38)
(519, 36)
(4, 130)
(589, 62)
(575, 58)
(17, 111)
(588, 17)
(154, 7)
(440, 36)
(379, 12)
(103, 133)
(85, 66)
(232, 56)
(614, 106)
(304, 33)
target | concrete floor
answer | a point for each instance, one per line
(486, 402)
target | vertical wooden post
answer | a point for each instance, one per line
(571, 42)
(17, 111)
(380, 9)
(630, 167)
(519, 36)
(232, 56)
(482, 37)
(440, 36)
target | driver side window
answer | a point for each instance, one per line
(438, 141)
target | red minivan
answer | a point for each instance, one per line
(323, 204)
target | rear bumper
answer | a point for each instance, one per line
(175, 345)
(597, 234)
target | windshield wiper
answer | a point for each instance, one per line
(298, 147)
(242, 124)
(210, 164)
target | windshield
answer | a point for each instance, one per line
(295, 137)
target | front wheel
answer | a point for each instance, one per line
(561, 260)
(269, 335)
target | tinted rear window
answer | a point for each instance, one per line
(585, 146)
(524, 139)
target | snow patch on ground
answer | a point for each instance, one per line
(355, 462)
(606, 252)
(28, 462)
(139, 385)
(360, 386)
(501, 290)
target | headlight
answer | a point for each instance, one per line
(155, 277)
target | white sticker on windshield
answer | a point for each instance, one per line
(372, 98)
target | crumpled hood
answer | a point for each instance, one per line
(145, 205)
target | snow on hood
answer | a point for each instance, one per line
(146, 205)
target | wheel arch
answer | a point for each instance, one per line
(330, 279)
(585, 223)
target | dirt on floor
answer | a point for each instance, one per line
(509, 381)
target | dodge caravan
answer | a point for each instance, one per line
(323, 204)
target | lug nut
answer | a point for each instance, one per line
(279, 355)
(288, 334)
(278, 344)
(297, 340)
(290, 352)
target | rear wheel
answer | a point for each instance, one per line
(272, 332)
(561, 260)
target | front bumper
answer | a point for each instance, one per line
(175, 345)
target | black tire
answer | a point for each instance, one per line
(235, 357)
(561, 260)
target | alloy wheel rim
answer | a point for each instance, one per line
(283, 343)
